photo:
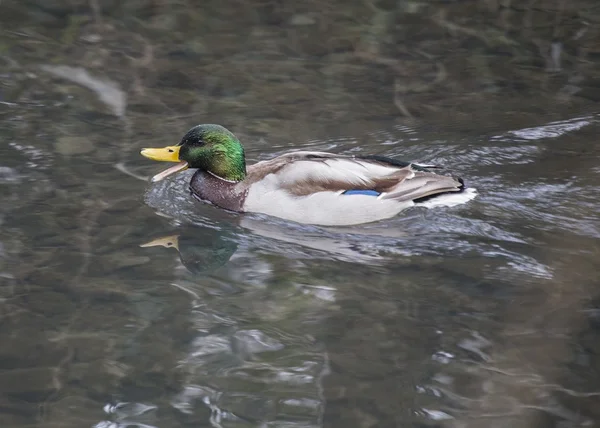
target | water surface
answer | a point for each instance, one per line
(480, 315)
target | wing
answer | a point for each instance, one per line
(305, 173)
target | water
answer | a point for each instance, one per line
(128, 304)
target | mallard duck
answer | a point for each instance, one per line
(307, 187)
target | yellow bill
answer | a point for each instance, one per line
(166, 154)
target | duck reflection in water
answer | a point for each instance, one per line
(201, 249)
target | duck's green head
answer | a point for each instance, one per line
(210, 148)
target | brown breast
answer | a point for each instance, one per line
(224, 194)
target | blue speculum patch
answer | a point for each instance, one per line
(362, 192)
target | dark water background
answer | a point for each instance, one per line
(481, 315)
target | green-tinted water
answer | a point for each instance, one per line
(481, 315)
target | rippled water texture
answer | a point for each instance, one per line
(130, 304)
